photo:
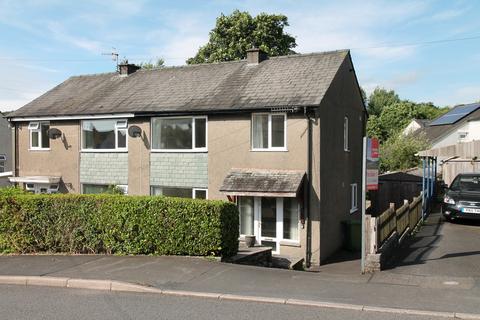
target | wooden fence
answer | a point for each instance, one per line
(385, 232)
(401, 220)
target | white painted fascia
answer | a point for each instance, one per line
(76, 117)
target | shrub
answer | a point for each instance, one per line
(12, 191)
(116, 224)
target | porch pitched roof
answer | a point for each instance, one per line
(263, 182)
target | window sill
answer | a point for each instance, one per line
(39, 149)
(269, 150)
(103, 151)
(290, 243)
(353, 210)
(346, 150)
(179, 151)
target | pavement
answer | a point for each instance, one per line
(436, 273)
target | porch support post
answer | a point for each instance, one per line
(423, 187)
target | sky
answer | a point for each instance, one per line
(426, 50)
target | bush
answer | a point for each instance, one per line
(12, 191)
(115, 224)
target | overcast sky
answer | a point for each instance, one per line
(425, 50)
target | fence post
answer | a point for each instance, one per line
(371, 238)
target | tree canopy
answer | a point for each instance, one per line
(398, 152)
(379, 99)
(234, 34)
(160, 63)
(388, 116)
(392, 114)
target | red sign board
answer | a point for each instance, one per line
(372, 163)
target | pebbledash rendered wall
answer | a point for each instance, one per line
(179, 170)
(104, 168)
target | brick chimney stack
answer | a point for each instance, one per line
(126, 68)
(255, 56)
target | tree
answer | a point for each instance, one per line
(398, 152)
(234, 34)
(379, 99)
(395, 117)
(160, 63)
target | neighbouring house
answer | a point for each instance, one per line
(5, 151)
(281, 137)
(460, 124)
(415, 125)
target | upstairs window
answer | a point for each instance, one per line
(345, 134)
(39, 139)
(269, 131)
(353, 198)
(107, 134)
(179, 134)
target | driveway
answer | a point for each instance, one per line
(442, 249)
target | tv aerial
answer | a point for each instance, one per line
(113, 54)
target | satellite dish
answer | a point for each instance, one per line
(54, 133)
(135, 131)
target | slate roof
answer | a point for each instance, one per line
(296, 80)
(260, 182)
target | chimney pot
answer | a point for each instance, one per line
(256, 55)
(126, 68)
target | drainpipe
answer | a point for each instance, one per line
(14, 149)
(308, 246)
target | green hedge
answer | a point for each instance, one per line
(115, 224)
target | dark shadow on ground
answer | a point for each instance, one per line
(342, 256)
(417, 249)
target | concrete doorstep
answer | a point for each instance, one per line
(120, 286)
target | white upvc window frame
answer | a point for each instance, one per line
(353, 197)
(279, 224)
(269, 147)
(117, 127)
(3, 162)
(193, 149)
(194, 192)
(123, 187)
(36, 127)
(346, 142)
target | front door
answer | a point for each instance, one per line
(270, 212)
(270, 219)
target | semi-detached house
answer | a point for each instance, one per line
(281, 137)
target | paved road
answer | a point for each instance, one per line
(17, 302)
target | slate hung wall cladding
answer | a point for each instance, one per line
(179, 170)
(109, 168)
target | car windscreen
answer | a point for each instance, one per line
(466, 183)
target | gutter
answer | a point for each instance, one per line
(281, 108)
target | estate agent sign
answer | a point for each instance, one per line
(372, 164)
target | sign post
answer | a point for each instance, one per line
(369, 182)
